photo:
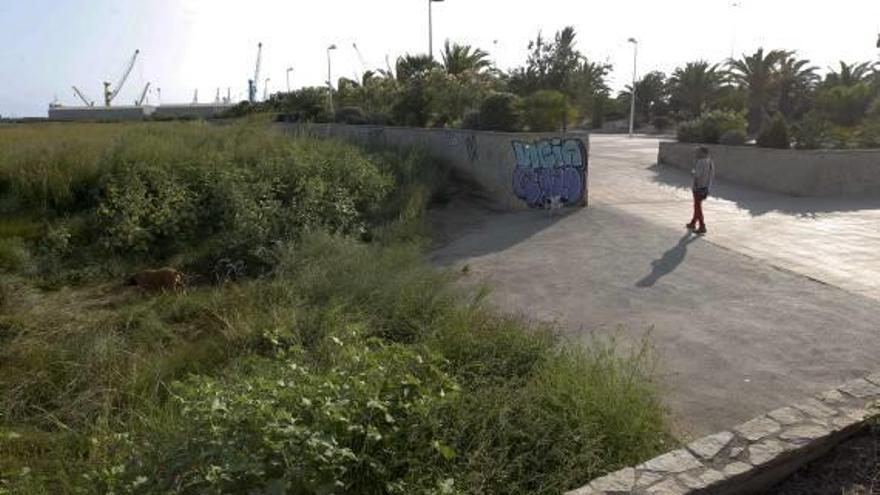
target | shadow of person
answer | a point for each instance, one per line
(668, 262)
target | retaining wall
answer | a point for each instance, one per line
(794, 172)
(517, 170)
(755, 455)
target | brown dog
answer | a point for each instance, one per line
(161, 279)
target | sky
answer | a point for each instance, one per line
(46, 46)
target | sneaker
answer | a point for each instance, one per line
(690, 226)
(701, 230)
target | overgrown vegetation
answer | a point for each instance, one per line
(313, 351)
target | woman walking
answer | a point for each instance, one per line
(703, 174)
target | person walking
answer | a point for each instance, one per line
(703, 174)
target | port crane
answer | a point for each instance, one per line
(140, 101)
(252, 83)
(85, 99)
(109, 94)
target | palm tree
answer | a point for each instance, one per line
(757, 74)
(413, 66)
(693, 86)
(651, 94)
(849, 74)
(795, 79)
(458, 59)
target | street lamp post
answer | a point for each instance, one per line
(330, 77)
(289, 70)
(632, 103)
(431, 28)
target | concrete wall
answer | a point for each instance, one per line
(794, 172)
(100, 114)
(518, 170)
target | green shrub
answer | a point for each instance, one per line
(845, 105)
(775, 134)
(811, 132)
(471, 120)
(733, 138)
(709, 127)
(14, 255)
(662, 123)
(689, 132)
(868, 134)
(351, 116)
(413, 107)
(546, 110)
(500, 112)
(278, 425)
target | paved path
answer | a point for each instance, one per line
(780, 300)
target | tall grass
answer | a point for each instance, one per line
(344, 365)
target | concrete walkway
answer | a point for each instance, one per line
(779, 301)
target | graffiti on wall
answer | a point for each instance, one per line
(550, 171)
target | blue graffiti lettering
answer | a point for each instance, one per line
(550, 169)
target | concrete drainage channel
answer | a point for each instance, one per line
(754, 455)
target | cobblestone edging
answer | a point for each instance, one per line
(753, 455)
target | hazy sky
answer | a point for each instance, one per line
(48, 45)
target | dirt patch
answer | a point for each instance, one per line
(852, 468)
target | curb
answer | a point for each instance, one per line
(754, 455)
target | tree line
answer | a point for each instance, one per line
(774, 91)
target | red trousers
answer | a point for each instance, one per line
(698, 210)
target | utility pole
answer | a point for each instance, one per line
(289, 70)
(632, 103)
(330, 78)
(431, 28)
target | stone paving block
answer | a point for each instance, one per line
(668, 487)
(699, 481)
(736, 468)
(832, 397)
(766, 452)
(856, 413)
(804, 434)
(874, 378)
(736, 451)
(622, 481)
(787, 415)
(860, 388)
(709, 446)
(844, 421)
(677, 461)
(647, 478)
(816, 409)
(758, 428)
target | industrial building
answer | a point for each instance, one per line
(133, 112)
(99, 114)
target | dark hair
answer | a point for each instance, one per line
(702, 150)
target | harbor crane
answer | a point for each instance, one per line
(109, 94)
(140, 101)
(85, 99)
(252, 83)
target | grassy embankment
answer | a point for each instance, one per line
(313, 351)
